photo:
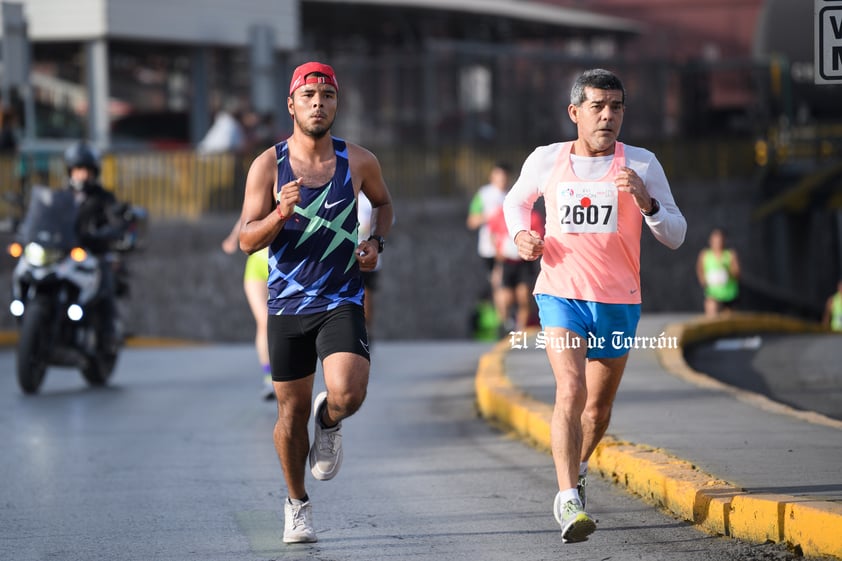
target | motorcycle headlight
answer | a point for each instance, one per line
(75, 312)
(39, 256)
(35, 254)
(16, 307)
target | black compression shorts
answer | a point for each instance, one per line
(295, 342)
(518, 272)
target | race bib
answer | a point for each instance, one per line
(587, 207)
(716, 277)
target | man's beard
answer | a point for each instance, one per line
(315, 131)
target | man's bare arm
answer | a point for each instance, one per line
(374, 187)
(260, 220)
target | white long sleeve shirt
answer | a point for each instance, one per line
(668, 225)
(592, 241)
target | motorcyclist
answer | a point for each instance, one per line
(99, 225)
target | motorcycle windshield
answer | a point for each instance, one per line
(50, 219)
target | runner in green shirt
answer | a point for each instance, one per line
(718, 271)
(833, 310)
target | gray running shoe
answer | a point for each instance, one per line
(298, 524)
(576, 524)
(326, 451)
(580, 487)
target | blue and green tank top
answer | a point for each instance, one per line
(312, 267)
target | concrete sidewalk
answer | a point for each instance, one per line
(730, 461)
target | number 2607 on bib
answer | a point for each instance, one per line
(587, 208)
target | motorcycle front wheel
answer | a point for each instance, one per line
(98, 370)
(99, 367)
(33, 347)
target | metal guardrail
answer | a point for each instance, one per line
(170, 184)
(177, 184)
(186, 184)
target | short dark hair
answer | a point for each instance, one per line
(505, 166)
(597, 78)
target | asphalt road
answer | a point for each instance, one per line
(800, 370)
(174, 461)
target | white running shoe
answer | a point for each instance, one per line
(326, 451)
(298, 523)
(576, 524)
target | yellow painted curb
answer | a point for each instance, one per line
(704, 329)
(501, 402)
(814, 525)
(712, 504)
(668, 482)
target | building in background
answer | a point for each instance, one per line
(121, 70)
(130, 74)
(684, 30)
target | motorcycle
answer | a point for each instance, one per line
(58, 295)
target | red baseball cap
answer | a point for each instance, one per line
(299, 77)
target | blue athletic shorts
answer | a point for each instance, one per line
(604, 326)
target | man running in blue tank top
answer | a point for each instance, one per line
(301, 202)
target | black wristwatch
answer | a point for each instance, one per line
(381, 242)
(656, 206)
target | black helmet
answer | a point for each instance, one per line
(81, 155)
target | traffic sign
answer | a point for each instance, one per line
(828, 41)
